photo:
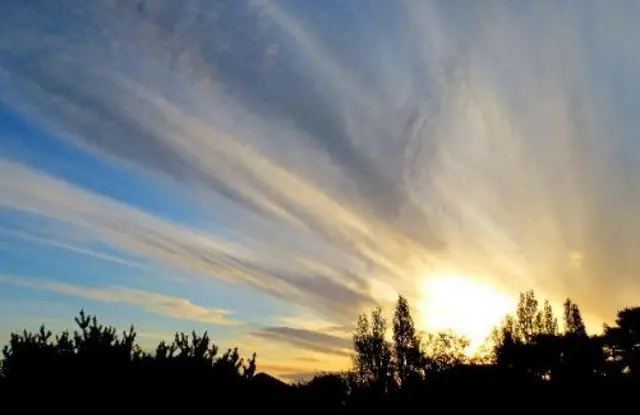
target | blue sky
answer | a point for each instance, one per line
(266, 170)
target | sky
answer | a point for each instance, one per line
(267, 170)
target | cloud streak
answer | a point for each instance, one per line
(27, 237)
(133, 230)
(494, 139)
(175, 307)
(315, 341)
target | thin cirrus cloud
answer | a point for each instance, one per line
(491, 139)
(311, 340)
(157, 303)
(137, 232)
(75, 248)
(309, 334)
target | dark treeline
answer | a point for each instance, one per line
(531, 363)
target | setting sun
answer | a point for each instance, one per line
(451, 301)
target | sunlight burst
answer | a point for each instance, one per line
(468, 307)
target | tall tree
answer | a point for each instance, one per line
(372, 358)
(408, 356)
(516, 332)
(362, 357)
(382, 352)
(549, 321)
(527, 320)
(573, 322)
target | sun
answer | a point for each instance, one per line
(465, 305)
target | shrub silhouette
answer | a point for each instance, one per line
(95, 357)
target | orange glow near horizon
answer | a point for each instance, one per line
(451, 301)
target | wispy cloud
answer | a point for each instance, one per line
(244, 260)
(25, 236)
(307, 339)
(157, 303)
(492, 139)
(309, 334)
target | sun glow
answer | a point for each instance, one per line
(467, 306)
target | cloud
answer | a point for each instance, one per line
(298, 376)
(245, 260)
(175, 307)
(309, 334)
(316, 324)
(25, 236)
(492, 140)
(307, 339)
(154, 130)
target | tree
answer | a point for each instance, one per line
(503, 338)
(383, 364)
(363, 351)
(549, 321)
(573, 323)
(326, 392)
(444, 350)
(408, 356)
(523, 342)
(622, 342)
(97, 354)
(528, 321)
(372, 358)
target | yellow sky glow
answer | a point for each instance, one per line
(450, 301)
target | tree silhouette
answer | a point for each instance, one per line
(326, 393)
(95, 354)
(408, 357)
(444, 350)
(549, 324)
(527, 342)
(373, 354)
(528, 321)
(622, 343)
(573, 323)
(532, 363)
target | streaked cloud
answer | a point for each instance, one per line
(312, 337)
(307, 339)
(245, 260)
(489, 139)
(25, 236)
(294, 377)
(157, 303)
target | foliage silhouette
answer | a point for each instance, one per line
(408, 358)
(530, 360)
(95, 357)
